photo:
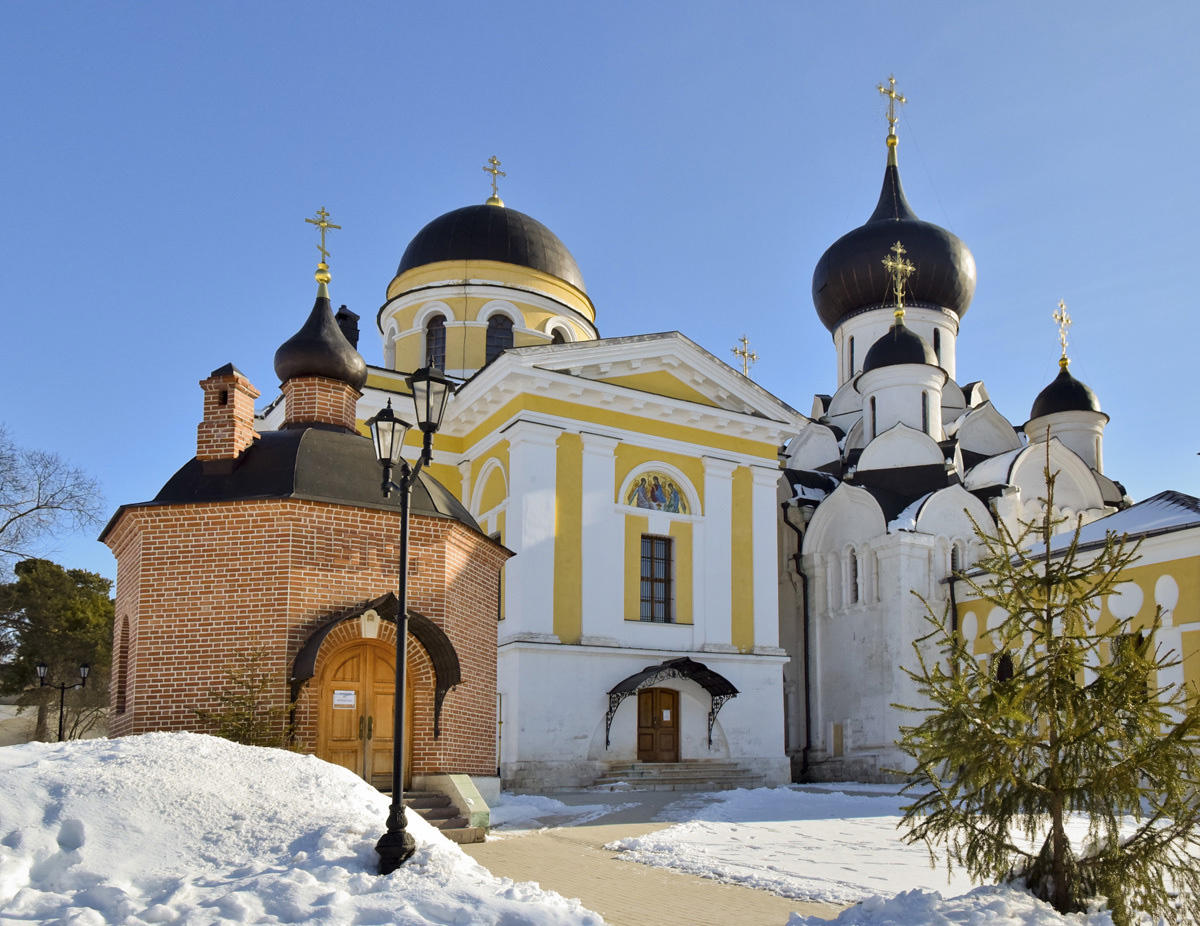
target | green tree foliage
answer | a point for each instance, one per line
(249, 711)
(1068, 719)
(62, 617)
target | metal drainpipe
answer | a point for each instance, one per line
(796, 562)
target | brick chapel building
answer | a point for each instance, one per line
(283, 542)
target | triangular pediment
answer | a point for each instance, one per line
(668, 366)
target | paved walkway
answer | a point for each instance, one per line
(572, 860)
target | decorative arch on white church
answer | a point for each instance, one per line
(638, 489)
(501, 307)
(481, 481)
(430, 309)
(901, 446)
(560, 325)
(1075, 490)
(815, 446)
(849, 516)
(985, 431)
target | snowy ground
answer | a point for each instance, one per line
(185, 829)
(816, 843)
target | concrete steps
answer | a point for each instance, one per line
(689, 775)
(437, 809)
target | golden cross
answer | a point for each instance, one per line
(322, 222)
(893, 98)
(901, 270)
(1064, 322)
(495, 171)
(746, 355)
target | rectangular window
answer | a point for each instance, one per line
(656, 579)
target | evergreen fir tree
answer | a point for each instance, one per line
(248, 711)
(1067, 720)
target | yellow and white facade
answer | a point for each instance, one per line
(1165, 576)
(580, 454)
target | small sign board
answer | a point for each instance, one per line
(344, 700)
(666, 714)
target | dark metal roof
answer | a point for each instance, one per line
(850, 276)
(328, 465)
(712, 682)
(1064, 394)
(900, 345)
(496, 233)
(320, 348)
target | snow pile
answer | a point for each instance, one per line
(984, 906)
(827, 847)
(185, 829)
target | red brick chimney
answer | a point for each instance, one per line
(228, 425)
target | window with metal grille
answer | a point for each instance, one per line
(656, 579)
(499, 336)
(435, 342)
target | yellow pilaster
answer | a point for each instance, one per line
(568, 540)
(681, 533)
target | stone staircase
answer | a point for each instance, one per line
(689, 775)
(437, 809)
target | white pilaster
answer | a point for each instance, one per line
(765, 521)
(603, 540)
(717, 602)
(529, 528)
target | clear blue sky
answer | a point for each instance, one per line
(697, 158)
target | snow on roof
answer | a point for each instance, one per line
(906, 520)
(1166, 511)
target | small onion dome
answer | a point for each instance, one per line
(850, 277)
(492, 232)
(899, 345)
(1064, 394)
(320, 348)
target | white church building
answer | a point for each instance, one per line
(706, 581)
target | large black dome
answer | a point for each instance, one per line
(486, 232)
(899, 345)
(1064, 394)
(850, 276)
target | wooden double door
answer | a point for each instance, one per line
(658, 725)
(357, 691)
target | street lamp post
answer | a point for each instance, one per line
(62, 689)
(430, 390)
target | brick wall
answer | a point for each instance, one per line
(320, 400)
(200, 582)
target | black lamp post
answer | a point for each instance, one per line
(430, 390)
(62, 689)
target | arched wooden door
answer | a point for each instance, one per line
(356, 689)
(658, 725)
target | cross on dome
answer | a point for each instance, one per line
(493, 168)
(322, 222)
(893, 98)
(1064, 322)
(901, 270)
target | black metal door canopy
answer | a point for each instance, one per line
(720, 689)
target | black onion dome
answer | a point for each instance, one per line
(1064, 394)
(899, 345)
(320, 348)
(496, 233)
(850, 276)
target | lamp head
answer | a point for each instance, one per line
(430, 390)
(41, 672)
(388, 433)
